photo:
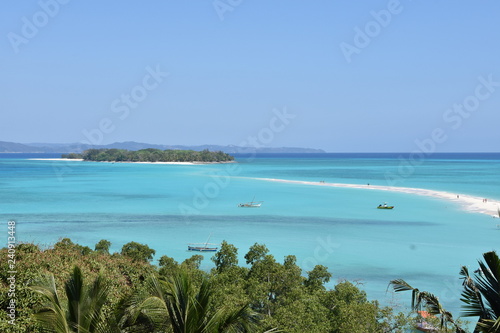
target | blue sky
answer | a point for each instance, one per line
(371, 76)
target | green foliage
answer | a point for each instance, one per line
(257, 252)
(137, 251)
(66, 244)
(121, 273)
(481, 293)
(102, 246)
(304, 314)
(425, 301)
(168, 266)
(83, 310)
(226, 257)
(72, 156)
(317, 277)
(28, 248)
(350, 310)
(179, 304)
(193, 263)
(268, 295)
(150, 155)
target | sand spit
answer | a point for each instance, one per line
(468, 202)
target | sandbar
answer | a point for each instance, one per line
(173, 163)
(56, 159)
(468, 202)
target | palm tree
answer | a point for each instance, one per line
(186, 309)
(423, 300)
(481, 293)
(80, 313)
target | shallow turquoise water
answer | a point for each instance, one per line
(423, 240)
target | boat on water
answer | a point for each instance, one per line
(385, 206)
(251, 204)
(203, 247)
(425, 327)
(422, 325)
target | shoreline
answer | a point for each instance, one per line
(171, 163)
(470, 203)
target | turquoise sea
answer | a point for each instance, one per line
(423, 240)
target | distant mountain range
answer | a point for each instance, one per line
(12, 147)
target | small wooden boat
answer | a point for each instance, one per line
(203, 247)
(384, 206)
(425, 327)
(422, 325)
(251, 204)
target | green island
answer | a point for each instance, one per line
(151, 155)
(68, 287)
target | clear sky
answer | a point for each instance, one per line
(343, 76)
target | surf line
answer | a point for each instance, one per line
(468, 202)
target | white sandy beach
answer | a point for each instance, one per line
(468, 202)
(173, 163)
(56, 159)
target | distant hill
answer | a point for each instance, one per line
(11, 147)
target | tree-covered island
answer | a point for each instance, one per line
(151, 155)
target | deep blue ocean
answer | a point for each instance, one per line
(424, 240)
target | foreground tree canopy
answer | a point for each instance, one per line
(72, 288)
(150, 155)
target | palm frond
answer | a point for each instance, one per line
(74, 293)
(488, 282)
(242, 320)
(145, 307)
(431, 303)
(52, 319)
(471, 297)
(401, 285)
(82, 312)
(481, 294)
(51, 315)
